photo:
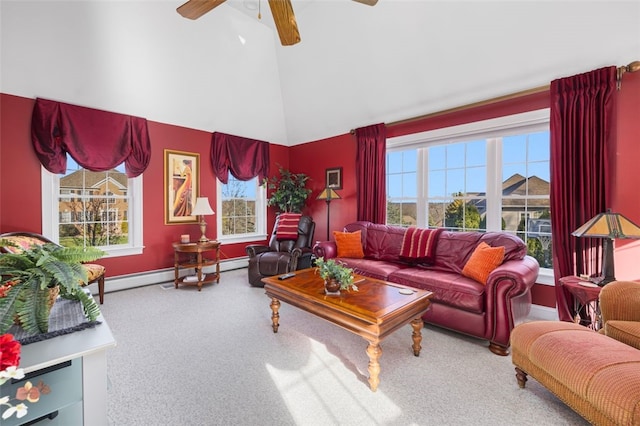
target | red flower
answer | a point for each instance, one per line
(9, 351)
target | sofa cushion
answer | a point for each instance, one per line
(455, 248)
(349, 244)
(482, 262)
(383, 242)
(449, 288)
(378, 269)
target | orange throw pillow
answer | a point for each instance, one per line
(482, 262)
(349, 244)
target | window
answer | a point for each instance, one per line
(241, 210)
(491, 175)
(105, 209)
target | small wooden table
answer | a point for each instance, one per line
(373, 312)
(195, 259)
(586, 301)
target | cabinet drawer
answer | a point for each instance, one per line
(65, 384)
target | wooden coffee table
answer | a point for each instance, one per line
(375, 311)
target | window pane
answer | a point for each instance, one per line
(238, 215)
(93, 207)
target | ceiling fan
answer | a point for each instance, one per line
(281, 10)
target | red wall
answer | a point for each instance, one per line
(625, 181)
(20, 175)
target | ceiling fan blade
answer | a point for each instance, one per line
(285, 21)
(368, 2)
(193, 9)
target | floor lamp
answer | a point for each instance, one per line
(328, 194)
(608, 226)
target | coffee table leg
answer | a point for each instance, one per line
(275, 305)
(417, 325)
(374, 351)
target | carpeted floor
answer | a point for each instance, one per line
(210, 358)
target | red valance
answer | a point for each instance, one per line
(244, 158)
(97, 140)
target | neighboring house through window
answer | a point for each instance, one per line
(241, 210)
(101, 209)
(491, 175)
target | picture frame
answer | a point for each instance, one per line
(181, 186)
(334, 178)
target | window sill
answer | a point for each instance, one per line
(243, 239)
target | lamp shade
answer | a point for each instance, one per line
(608, 225)
(328, 194)
(202, 207)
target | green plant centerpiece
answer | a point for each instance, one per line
(290, 191)
(330, 270)
(29, 278)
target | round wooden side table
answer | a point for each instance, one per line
(190, 255)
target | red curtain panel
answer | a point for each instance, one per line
(370, 173)
(580, 123)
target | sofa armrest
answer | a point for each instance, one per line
(255, 249)
(325, 249)
(508, 296)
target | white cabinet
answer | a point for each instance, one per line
(74, 366)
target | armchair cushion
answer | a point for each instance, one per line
(627, 332)
(22, 241)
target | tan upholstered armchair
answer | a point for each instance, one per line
(620, 308)
(95, 272)
(281, 256)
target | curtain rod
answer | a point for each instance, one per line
(631, 67)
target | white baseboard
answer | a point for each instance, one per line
(125, 282)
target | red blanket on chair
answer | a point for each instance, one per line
(419, 245)
(288, 226)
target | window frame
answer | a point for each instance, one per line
(261, 216)
(500, 127)
(50, 214)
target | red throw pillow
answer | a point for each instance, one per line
(482, 262)
(349, 244)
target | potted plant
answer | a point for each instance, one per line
(32, 279)
(289, 191)
(336, 276)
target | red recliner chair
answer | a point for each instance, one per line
(281, 256)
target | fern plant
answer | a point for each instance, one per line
(28, 277)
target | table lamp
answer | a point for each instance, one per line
(328, 194)
(608, 226)
(202, 208)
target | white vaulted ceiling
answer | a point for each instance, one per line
(356, 65)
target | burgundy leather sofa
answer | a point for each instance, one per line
(459, 303)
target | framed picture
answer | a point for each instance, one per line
(181, 182)
(334, 178)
